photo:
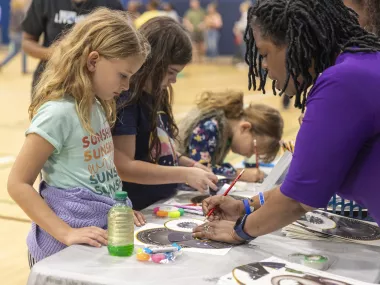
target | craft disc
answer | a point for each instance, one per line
(157, 236)
(344, 227)
(183, 225)
(320, 221)
(254, 271)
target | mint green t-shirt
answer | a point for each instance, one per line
(79, 159)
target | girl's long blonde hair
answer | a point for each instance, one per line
(112, 35)
(265, 120)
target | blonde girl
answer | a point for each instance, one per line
(69, 138)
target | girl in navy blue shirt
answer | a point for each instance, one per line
(144, 135)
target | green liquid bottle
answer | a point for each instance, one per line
(121, 227)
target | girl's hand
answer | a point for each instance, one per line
(93, 236)
(200, 179)
(252, 175)
(139, 219)
(288, 145)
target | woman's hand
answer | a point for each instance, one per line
(139, 218)
(200, 179)
(93, 236)
(226, 208)
(219, 231)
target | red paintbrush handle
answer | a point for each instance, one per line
(226, 193)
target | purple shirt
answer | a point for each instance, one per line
(338, 145)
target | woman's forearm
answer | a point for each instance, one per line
(256, 199)
(34, 49)
(277, 212)
(38, 211)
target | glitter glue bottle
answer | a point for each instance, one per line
(121, 227)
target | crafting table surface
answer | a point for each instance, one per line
(87, 265)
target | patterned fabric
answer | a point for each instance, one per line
(78, 207)
(203, 143)
(186, 129)
(168, 154)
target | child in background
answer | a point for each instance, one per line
(150, 13)
(214, 23)
(194, 23)
(17, 16)
(220, 123)
(239, 29)
(69, 138)
(170, 11)
(133, 9)
(145, 154)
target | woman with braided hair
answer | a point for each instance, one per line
(369, 18)
(316, 51)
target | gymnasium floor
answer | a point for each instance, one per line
(14, 96)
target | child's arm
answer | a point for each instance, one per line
(25, 170)
(141, 172)
(188, 162)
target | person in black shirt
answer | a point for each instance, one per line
(51, 18)
(145, 130)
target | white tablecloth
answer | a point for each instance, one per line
(86, 265)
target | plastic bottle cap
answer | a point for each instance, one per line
(121, 195)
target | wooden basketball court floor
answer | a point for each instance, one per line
(14, 101)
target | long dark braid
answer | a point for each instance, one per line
(315, 32)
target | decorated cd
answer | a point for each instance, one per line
(247, 273)
(343, 227)
(183, 225)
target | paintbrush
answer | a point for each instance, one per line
(225, 193)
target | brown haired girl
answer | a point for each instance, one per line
(220, 123)
(145, 129)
